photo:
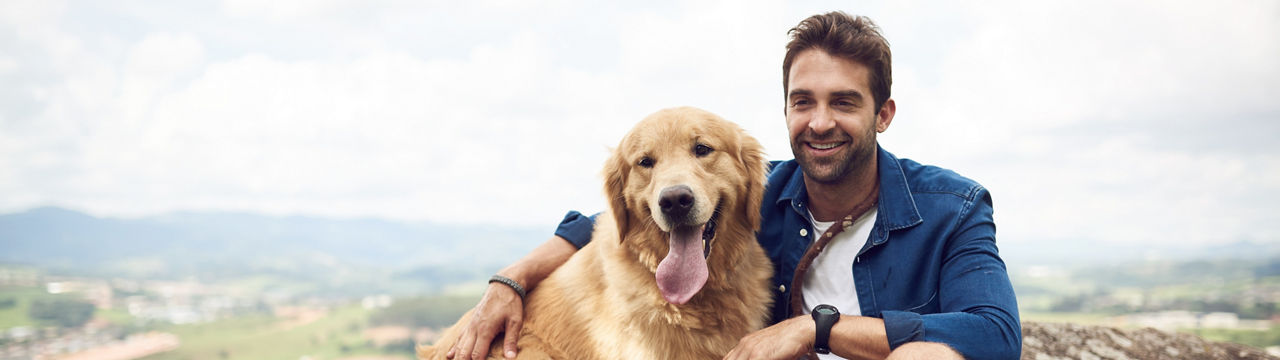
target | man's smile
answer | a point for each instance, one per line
(826, 145)
(821, 149)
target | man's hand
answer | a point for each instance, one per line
(499, 311)
(789, 339)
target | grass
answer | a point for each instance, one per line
(1063, 317)
(17, 315)
(334, 336)
(1255, 338)
(24, 296)
(115, 316)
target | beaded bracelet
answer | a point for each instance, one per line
(508, 282)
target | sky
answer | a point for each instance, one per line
(1137, 122)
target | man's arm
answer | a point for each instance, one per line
(978, 314)
(501, 309)
(979, 311)
(853, 337)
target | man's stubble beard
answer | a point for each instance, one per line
(861, 151)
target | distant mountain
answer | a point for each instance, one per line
(1089, 253)
(226, 243)
(231, 245)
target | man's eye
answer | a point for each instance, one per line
(702, 150)
(645, 162)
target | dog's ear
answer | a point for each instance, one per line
(615, 181)
(751, 154)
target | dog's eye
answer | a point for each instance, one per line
(645, 162)
(702, 150)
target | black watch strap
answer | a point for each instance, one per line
(824, 316)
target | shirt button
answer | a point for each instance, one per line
(804, 232)
(782, 288)
(857, 259)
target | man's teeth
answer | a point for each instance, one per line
(823, 146)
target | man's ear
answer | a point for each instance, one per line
(885, 117)
(753, 164)
(615, 181)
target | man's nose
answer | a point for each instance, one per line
(822, 121)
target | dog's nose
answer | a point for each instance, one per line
(676, 201)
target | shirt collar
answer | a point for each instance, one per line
(897, 209)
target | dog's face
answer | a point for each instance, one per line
(693, 178)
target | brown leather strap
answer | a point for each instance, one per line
(797, 280)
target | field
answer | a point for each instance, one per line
(15, 314)
(311, 334)
(1074, 318)
(347, 330)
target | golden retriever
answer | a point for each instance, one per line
(673, 270)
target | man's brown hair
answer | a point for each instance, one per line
(856, 39)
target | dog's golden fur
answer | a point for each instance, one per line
(604, 303)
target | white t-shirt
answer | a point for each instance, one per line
(830, 277)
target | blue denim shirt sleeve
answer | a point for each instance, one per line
(979, 311)
(576, 228)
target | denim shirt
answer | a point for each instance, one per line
(930, 269)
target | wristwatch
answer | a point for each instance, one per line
(824, 316)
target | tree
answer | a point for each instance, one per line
(67, 313)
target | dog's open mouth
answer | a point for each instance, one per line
(684, 271)
(709, 233)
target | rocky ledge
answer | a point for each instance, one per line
(1051, 341)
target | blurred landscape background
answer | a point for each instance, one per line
(238, 285)
(245, 286)
(336, 179)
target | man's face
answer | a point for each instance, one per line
(831, 116)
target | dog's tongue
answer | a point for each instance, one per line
(683, 272)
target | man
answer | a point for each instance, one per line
(890, 258)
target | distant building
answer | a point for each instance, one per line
(1220, 320)
(1175, 320)
(97, 292)
(376, 301)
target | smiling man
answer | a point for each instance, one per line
(872, 253)
(874, 256)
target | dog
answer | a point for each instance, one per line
(673, 270)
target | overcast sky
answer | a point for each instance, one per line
(1141, 122)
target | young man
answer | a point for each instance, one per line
(874, 256)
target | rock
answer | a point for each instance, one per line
(1052, 341)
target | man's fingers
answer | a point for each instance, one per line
(732, 354)
(457, 345)
(483, 338)
(738, 353)
(481, 349)
(465, 345)
(512, 337)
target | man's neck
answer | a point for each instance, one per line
(832, 201)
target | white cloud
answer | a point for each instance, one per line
(1123, 121)
(1120, 124)
(285, 10)
(152, 66)
(386, 135)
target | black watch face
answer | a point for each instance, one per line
(825, 311)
